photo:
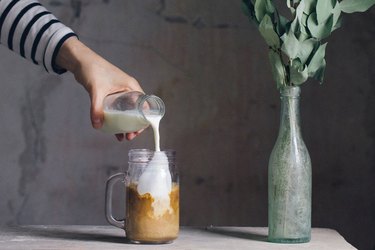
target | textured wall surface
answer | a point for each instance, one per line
(210, 67)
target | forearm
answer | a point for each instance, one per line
(29, 29)
(33, 32)
(70, 54)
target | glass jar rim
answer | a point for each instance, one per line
(145, 155)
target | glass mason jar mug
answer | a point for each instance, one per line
(150, 216)
(126, 112)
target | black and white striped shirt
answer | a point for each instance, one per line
(27, 28)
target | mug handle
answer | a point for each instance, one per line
(108, 200)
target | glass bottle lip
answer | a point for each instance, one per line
(155, 100)
(290, 91)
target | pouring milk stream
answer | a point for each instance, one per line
(156, 178)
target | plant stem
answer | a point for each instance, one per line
(286, 75)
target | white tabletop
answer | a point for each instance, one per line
(107, 237)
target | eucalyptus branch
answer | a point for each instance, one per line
(299, 39)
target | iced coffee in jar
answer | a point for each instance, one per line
(152, 197)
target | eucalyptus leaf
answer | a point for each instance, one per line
(266, 29)
(304, 31)
(283, 20)
(294, 26)
(263, 7)
(304, 19)
(291, 45)
(281, 23)
(295, 5)
(297, 25)
(300, 9)
(290, 6)
(306, 48)
(278, 69)
(322, 30)
(337, 17)
(248, 8)
(310, 6)
(319, 74)
(298, 73)
(350, 6)
(338, 23)
(245, 6)
(289, 3)
(303, 36)
(317, 60)
(323, 10)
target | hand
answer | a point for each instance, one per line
(99, 77)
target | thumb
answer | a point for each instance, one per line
(97, 114)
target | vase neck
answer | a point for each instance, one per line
(290, 117)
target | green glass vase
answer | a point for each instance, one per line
(289, 177)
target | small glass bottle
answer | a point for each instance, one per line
(289, 177)
(126, 112)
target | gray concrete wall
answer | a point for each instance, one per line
(210, 66)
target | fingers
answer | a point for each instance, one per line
(120, 137)
(129, 136)
(97, 114)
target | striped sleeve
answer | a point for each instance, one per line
(28, 29)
